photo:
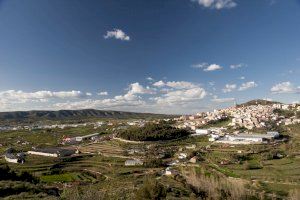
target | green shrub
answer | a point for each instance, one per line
(153, 132)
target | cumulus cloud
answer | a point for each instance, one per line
(216, 4)
(237, 66)
(117, 34)
(104, 93)
(229, 88)
(207, 67)
(136, 88)
(242, 77)
(181, 96)
(178, 96)
(247, 85)
(285, 87)
(178, 92)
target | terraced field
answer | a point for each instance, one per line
(106, 149)
(67, 177)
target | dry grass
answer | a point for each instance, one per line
(216, 188)
(294, 194)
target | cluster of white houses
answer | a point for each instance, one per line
(250, 117)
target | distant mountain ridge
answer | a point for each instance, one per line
(71, 114)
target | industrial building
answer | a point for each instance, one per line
(52, 152)
(249, 138)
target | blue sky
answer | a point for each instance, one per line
(163, 56)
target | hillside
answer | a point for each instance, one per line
(22, 116)
(258, 101)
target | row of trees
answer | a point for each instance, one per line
(153, 132)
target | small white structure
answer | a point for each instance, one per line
(81, 138)
(133, 162)
(273, 134)
(182, 156)
(11, 159)
(200, 132)
(213, 137)
(192, 146)
(169, 171)
(173, 163)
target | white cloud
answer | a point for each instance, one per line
(119, 102)
(222, 100)
(136, 88)
(117, 34)
(213, 67)
(236, 66)
(200, 65)
(150, 78)
(247, 85)
(20, 96)
(159, 84)
(175, 84)
(229, 88)
(242, 78)
(207, 67)
(104, 93)
(181, 96)
(216, 4)
(180, 84)
(267, 99)
(285, 87)
(177, 97)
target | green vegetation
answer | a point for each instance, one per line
(153, 132)
(218, 123)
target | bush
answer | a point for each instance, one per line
(153, 162)
(151, 190)
(252, 165)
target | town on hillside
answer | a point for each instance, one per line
(239, 142)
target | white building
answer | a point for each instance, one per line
(201, 132)
(81, 138)
(133, 162)
(52, 152)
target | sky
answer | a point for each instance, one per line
(160, 56)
